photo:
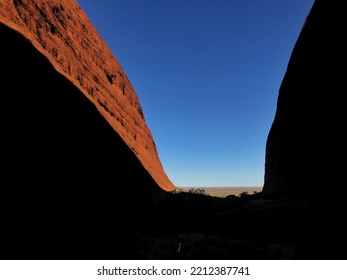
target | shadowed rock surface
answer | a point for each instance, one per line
(306, 144)
(62, 163)
(78, 161)
(63, 34)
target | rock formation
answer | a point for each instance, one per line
(78, 163)
(80, 172)
(70, 115)
(305, 146)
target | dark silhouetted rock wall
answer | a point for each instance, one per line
(305, 151)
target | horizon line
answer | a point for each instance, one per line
(220, 187)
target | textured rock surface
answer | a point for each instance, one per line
(49, 108)
(306, 144)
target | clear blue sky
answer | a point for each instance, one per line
(207, 73)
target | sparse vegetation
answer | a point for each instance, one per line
(197, 191)
(221, 191)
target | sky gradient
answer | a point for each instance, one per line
(207, 73)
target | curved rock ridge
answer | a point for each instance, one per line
(62, 32)
(306, 144)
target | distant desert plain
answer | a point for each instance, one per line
(223, 191)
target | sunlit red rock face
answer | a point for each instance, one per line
(58, 111)
(306, 144)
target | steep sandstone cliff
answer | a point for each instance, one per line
(63, 34)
